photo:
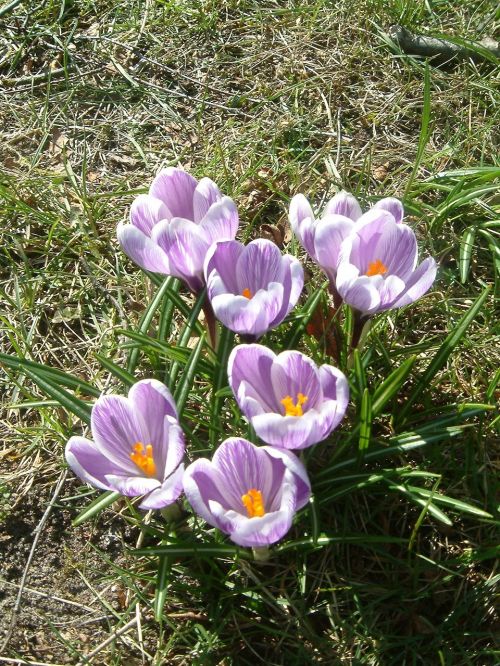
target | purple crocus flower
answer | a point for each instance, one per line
(252, 288)
(321, 238)
(172, 227)
(377, 266)
(247, 491)
(137, 446)
(290, 402)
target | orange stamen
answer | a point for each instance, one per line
(294, 409)
(144, 460)
(253, 503)
(376, 268)
(246, 293)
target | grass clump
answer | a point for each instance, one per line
(394, 560)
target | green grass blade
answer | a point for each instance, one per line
(443, 353)
(466, 247)
(293, 338)
(182, 390)
(162, 580)
(65, 399)
(457, 505)
(226, 344)
(52, 374)
(147, 318)
(427, 504)
(193, 549)
(125, 377)
(365, 423)
(390, 386)
(187, 332)
(424, 129)
(95, 507)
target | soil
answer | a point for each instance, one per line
(63, 614)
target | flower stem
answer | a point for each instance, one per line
(261, 554)
(358, 329)
(211, 323)
(171, 513)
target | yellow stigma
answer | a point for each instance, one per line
(294, 409)
(254, 504)
(376, 268)
(246, 293)
(144, 461)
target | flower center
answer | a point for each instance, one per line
(144, 458)
(376, 268)
(294, 409)
(254, 504)
(246, 293)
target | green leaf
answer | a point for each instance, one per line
(187, 332)
(65, 399)
(427, 504)
(325, 541)
(192, 549)
(390, 386)
(52, 374)
(442, 354)
(120, 373)
(182, 390)
(226, 344)
(365, 422)
(147, 318)
(466, 247)
(458, 505)
(303, 317)
(162, 580)
(95, 507)
(173, 352)
(424, 129)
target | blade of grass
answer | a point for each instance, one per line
(442, 354)
(95, 507)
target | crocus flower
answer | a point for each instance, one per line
(377, 266)
(172, 227)
(290, 402)
(252, 288)
(137, 446)
(247, 491)
(321, 238)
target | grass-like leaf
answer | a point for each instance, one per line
(95, 507)
(65, 399)
(126, 378)
(442, 354)
(52, 374)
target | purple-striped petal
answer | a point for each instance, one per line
(176, 189)
(220, 222)
(393, 206)
(302, 222)
(344, 204)
(205, 194)
(116, 427)
(146, 211)
(89, 463)
(142, 250)
(167, 493)
(132, 486)
(330, 234)
(185, 244)
(418, 284)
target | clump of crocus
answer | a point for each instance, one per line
(377, 266)
(321, 238)
(290, 401)
(251, 493)
(252, 288)
(172, 227)
(137, 446)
